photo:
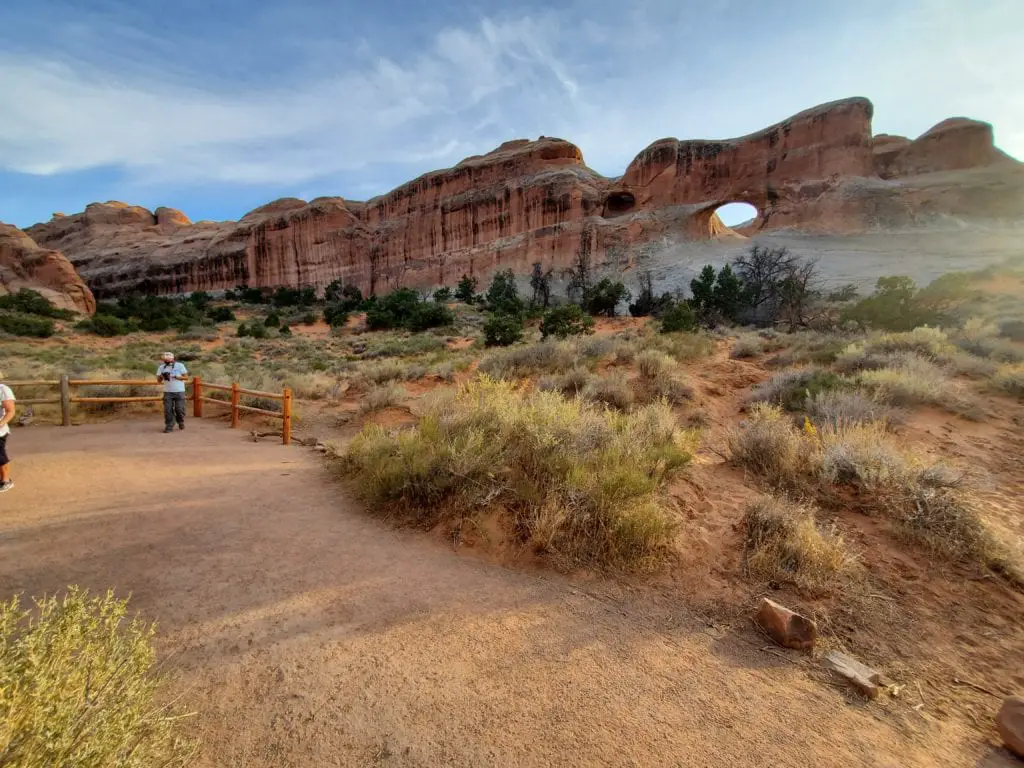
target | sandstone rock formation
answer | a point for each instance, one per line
(819, 171)
(23, 264)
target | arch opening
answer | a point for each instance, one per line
(737, 214)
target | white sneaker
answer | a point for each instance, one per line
(4, 487)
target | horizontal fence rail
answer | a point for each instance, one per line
(65, 398)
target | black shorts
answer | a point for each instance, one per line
(3, 451)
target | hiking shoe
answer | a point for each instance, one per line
(168, 429)
(181, 425)
(5, 487)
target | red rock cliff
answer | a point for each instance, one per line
(534, 201)
(23, 264)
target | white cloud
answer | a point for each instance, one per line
(611, 81)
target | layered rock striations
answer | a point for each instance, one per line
(23, 264)
(536, 201)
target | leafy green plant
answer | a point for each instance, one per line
(501, 330)
(443, 295)
(19, 324)
(502, 296)
(604, 297)
(564, 321)
(105, 325)
(466, 289)
(273, 320)
(29, 302)
(679, 318)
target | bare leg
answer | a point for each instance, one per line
(5, 473)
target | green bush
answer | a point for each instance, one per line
(582, 483)
(566, 320)
(500, 329)
(106, 325)
(679, 318)
(284, 330)
(309, 318)
(243, 330)
(404, 309)
(29, 302)
(443, 295)
(257, 331)
(793, 388)
(220, 314)
(335, 315)
(897, 304)
(503, 297)
(294, 297)
(78, 687)
(273, 320)
(603, 298)
(466, 289)
(18, 324)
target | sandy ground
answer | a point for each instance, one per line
(309, 634)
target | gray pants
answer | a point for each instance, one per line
(174, 408)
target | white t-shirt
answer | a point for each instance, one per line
(175, 369)
(5, 395)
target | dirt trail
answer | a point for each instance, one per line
(308, 634)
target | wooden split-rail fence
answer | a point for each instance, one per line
(68, 389)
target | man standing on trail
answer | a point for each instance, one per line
(173, 376)
(7, 413)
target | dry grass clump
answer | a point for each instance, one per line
(986, 340)
(681, 346)
(613, 390)
(392, 369)
(659, 379)
(570, 384)
(380, 397)
(928, 503)
(78, 687)
(912, 380)
(785, 544)
(766, 444)
(521, 362)
(834, 408)
(806, 347)
(748, 345)
(792, 388)
(583, 483)
(1009, 380)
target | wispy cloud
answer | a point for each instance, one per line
(344, 110)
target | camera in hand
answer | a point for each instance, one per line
(167, 376)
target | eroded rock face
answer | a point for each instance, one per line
(535, 201)
(23, 264)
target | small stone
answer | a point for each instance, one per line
(785, 627)
(1010, 724)
(862, 677)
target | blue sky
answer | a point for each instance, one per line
(218, 106)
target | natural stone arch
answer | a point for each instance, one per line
(707, 224)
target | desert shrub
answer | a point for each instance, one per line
(78, 686)
(582, 483)
(747, 346)
(285, 330)
(860, 455)
(570, 383)
(612, 390)
(646, 302)
(105, 325)
(18, 324)
(912, 380)
(681, 346)
(335, 315)
(443, 295)
(29, 302)
(257, 330)
(807, 347)
(792, 388)
(380, 397)
(765, 444)
(564, 321)
(1009, 380)
(501, 330)
(679, 318)
(153, 314)
(308, 319)
(856, 357)
(220, 314)
(520, 362)
(1012, 329)
(243, 331)
(785, 544)
(669, 387)
(652, 363)
(273, 320)
(837, 408)
(929, 343)
(391, 370)
(898, 305)
(294, 297)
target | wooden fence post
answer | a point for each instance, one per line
(65, 401)
(286, 412)
(234, 404)
(197, 397)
